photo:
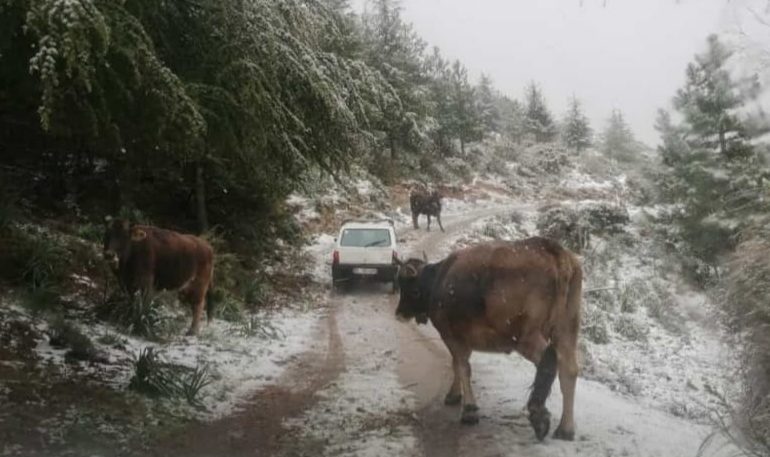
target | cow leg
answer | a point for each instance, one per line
(461, 355)
(539, 416)
(438, 218)
(568, 371)
(428, 221)
(415, 216)
(195, 296)
(455, 394)
(537, 350)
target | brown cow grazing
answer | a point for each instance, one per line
(521, 296)
(147, 258)
(427, 203)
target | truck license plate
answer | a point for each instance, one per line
(365, 271)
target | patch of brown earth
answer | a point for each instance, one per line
(257, 430)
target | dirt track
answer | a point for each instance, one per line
(259, 428)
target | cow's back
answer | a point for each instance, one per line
(177, 258)
(522, 271)
(422, 202)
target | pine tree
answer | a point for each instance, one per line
(396, 51)
(617, 138)
(712, 172)
(467, 123)
(487, 107)
(512, 119)
(211, 108)
(576, 129)
(440, 101)
(538, 119)
(709, 101)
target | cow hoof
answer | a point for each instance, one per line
(561, 434)
(540, 419)
(452, 399)
(470, 415)
(192, 332)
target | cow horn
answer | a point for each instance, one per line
(138, 234)
(410, 270)
(424, 256)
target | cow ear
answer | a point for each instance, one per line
(138, 234)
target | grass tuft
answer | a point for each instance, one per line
(156, 378)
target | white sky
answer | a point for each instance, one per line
(627, 54)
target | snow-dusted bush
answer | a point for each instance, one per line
(549, 158)
(628, 327)
(564, 225)
(459, 168)
(595, 326)
(746, 292)
(64, 334)
(604, 217)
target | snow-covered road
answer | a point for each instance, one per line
(371, 386)
(402, 372)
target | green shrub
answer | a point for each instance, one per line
(46, 261)
(630, 329)
(90, 232)
(42, 297)
(153, 376)
(157, 378)
(65, 334)
(603, 217)
(595, 327)
(193, 382)
(137, 314)
(564, 225)
(258, 325)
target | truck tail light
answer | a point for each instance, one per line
(336, 257)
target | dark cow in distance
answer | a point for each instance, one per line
(521, 296)
(147, 258)
(423, 202)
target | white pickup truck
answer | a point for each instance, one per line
(365, 249)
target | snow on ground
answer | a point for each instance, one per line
(607, 424)
(239, 363)
(366, 411)
(646, 334)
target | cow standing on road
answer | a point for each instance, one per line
(500, 296)
(428, 203)
(147, 258)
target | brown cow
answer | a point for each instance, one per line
(147, 258)
(501, 296)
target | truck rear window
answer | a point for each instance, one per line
(365, 238)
